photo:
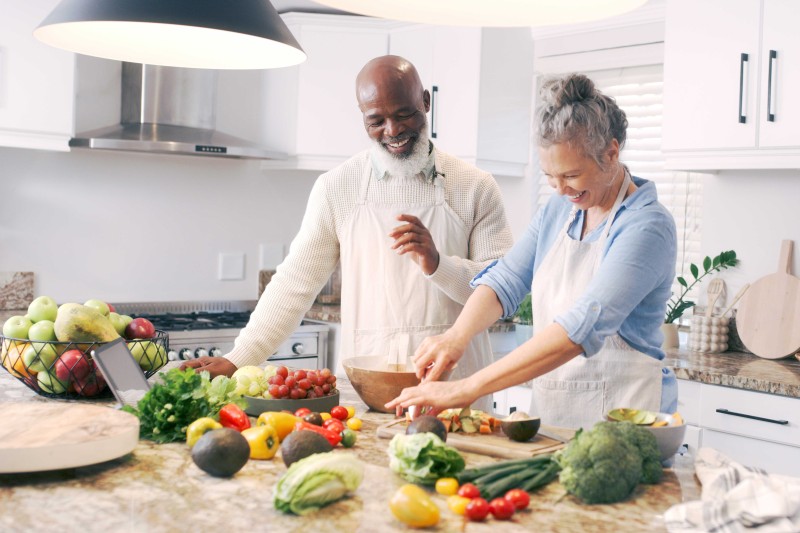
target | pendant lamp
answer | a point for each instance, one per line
(488, 12)
(211, 34)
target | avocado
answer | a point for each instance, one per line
(427, 424)
(300, 444)
(221, 452)
(520, 427)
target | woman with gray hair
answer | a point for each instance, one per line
(598, 260)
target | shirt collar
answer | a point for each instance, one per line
(644, 195)
(429, 171)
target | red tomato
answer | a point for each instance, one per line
(303, 411)
(501, 508)
(334, 424)
(518, 498)
(339, 412)
(468, 490)
(477, 509)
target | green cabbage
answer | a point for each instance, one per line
(423, 458)
(317, 480)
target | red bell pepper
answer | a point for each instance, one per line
(232, 416)
(333, 438)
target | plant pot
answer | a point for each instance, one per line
(671, 340)
(523, 333)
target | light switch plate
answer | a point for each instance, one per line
(270, 255)
(231, 266)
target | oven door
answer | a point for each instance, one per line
(301, 350)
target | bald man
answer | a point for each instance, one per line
(410, 224)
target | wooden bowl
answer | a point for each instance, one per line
(375, 382)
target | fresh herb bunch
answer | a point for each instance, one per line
(524, 314)
(179, 399)
(677, 306)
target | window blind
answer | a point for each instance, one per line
(638, 91)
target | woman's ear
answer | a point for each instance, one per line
(612, 152)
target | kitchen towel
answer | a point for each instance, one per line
(737, 498)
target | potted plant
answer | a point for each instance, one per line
(523, 320)
(678, 305)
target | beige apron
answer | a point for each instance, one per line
(580, 392)
(388, 305)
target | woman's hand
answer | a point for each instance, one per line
(433, 397)
(435, 355)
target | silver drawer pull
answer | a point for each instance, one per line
(770, 420)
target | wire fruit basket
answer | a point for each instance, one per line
(66, 369)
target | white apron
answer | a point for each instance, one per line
(580, 392)
(388, 306)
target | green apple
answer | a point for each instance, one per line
(99, 306)
(148, 354)
(43, 308)
(39, 356)
(17, 327)
(49, 383)
(118, 322)
(127, 319)
(44, 330)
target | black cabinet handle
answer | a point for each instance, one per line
(770, 420)
(742, 60)
(434, 94)
(773, 55)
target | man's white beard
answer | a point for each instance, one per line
(410, 165)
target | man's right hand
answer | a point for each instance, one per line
(215, 366)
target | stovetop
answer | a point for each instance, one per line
(200, 320)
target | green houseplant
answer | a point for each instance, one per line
(523, 320)
(677, 305)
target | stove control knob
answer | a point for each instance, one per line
(185, 354)
(298, 348)
(215, 352)
(172, 355)
(201, 352)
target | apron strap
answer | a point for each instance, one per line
(365, 179)
(626, 182)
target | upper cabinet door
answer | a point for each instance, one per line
(779, 124)
(711, 72)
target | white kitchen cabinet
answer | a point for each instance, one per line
(512, 399)
(480, 82)
(752, 428)
(310, 110)
(731, 72)
(36, 82)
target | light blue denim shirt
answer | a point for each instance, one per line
(629, 291)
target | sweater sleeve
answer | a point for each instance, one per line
(312, 258)
(489, 238)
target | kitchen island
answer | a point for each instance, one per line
(158, 488)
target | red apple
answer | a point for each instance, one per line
(111, 308)
(92, 384)
(140, 328)
(72, 365)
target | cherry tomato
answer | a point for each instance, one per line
(518, 498)
(334, 424)
(458, 504)
(349, 438)
(303, 411)
(477, 509)
(325, 416)
(339, 412)
(354, 424)
(468, 490)
(501, 508)
(447, 486)
(351, 411)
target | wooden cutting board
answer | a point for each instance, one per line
(495, 444)
(768, 318)
(50, 436)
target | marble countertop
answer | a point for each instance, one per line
(158, 488)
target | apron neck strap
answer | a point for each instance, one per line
(626, 182)
(365, 179)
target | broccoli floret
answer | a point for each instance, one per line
(648, 449)
(600, 466)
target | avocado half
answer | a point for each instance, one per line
(520, 427)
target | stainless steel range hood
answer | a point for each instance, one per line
(169, 110)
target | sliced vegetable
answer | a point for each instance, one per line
(232, 416)
(412, 506)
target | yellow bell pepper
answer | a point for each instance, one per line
(283, 423)
(263, 441)
(413, 507)
(198, 428)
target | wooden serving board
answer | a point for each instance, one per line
(495, 444)
(768, 318)
(50, 436)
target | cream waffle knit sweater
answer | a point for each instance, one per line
(472, 194)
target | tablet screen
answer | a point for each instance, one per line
(122, 372)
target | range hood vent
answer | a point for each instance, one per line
(169, 110)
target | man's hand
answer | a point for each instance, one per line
(413, 237)
(215, 366)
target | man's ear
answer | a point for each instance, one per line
(426, 99)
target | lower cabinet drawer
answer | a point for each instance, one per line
(772, 457)
(766, 417)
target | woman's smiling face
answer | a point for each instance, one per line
(578, 176)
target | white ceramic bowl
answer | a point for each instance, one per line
(669, 437)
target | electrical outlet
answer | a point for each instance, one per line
(231, 266)
(270, 255)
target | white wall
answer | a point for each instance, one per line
(143, 227)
